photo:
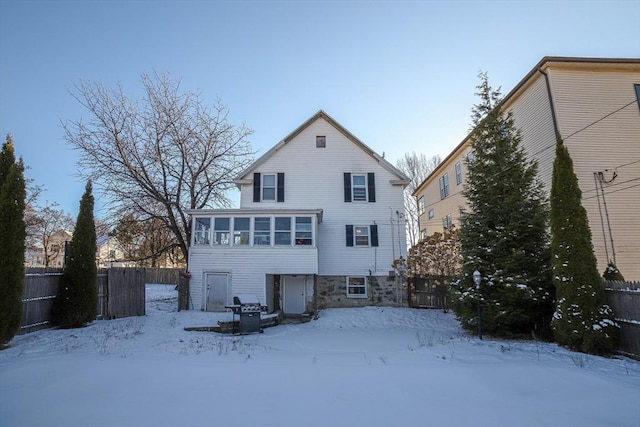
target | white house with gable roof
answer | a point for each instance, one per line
(320, 223)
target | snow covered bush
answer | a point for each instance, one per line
(581, 320)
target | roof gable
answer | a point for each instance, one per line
(401, 177)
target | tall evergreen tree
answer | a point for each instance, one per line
(77, 299)
(12, 241)
(505, 235)
(581, 321)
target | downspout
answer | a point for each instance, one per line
(551, 106)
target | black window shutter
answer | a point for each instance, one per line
(347, 187)
(374, 234)
(371, 186)
(281, 187)
(349, 235)
(256, 187)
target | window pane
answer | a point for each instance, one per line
(268, 187)
(303, 231)
(262, 231)
(359, 188)
(268, 193)
(357, 286)
(361, 236)
(262, 224)
(283, 238)
(221, 224)
(269, 181)
(283, 223)
(203, 226)
(241, 224)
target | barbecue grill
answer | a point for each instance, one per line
(249, 310)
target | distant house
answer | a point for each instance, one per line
(593, 104)
(53, 255)
(109, 253)
(319, 225)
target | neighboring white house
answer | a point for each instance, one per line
(109, 252)
(320, 223)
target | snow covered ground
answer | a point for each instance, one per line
(350, 367)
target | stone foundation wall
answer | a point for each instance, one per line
(331, 292)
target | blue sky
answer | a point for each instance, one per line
(400, 75)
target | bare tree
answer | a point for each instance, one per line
(46, 224)
(417, 167)
(158, 156)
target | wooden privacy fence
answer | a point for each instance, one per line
(429, 292)
(121, 293)
(624, 299)
(162, 275)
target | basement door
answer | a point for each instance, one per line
(294, 294)
(217, 291)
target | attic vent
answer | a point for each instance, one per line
(321, 141)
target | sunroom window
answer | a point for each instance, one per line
(202, 228)
(283, 231)
(241, 231)
(262, 231)
(221, 231)
(304, 232)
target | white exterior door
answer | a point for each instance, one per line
(217, 291)
(294, 294)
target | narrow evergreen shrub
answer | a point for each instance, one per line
(581, 320)
(12, 241)
(77, 300)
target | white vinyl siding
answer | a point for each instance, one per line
(251, 281)
(304, 192)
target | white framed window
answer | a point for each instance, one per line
(356, 287)
(423, 233)
(444, 186)
(359, 188)
(431, 213)
(458, 173)
(361, 236)
(221, 230)
(304, 232)
(268, 187)
(421, 205)
(262, 231)
(202, 231)
(282, 234)
(470, 157)
(321, 141)
(241, 229)
(446, 222)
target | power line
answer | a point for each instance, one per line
(614, 191)
(543, 149)
(601, 119)
(612, 185)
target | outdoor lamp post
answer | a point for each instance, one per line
(476, 280)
